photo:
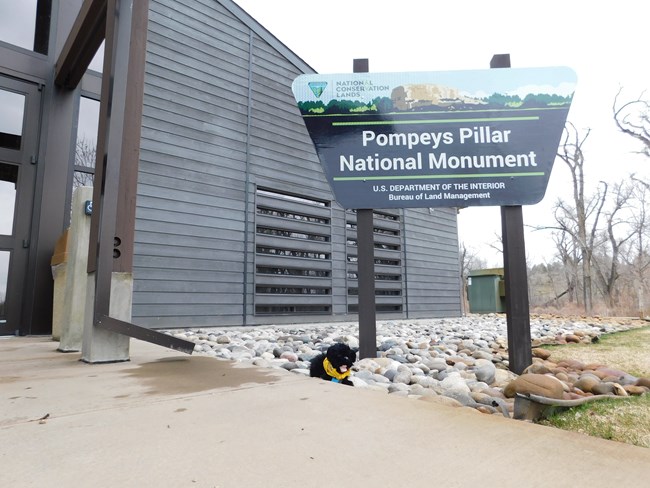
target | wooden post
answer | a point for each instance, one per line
(515, 274)
(366, 268)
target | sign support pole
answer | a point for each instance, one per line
(515, 274)
(366, 267)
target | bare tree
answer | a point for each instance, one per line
(607, 267)
(633, 119)
(574, 219)
(570, 259)
(84, 157)
(497, 243)
(639, 259)
(469, 260)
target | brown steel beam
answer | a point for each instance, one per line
(131, 129)
(102, 187)
(80, 47)
(121, 247)
(118, 152)
(137, 332)
(42, 30)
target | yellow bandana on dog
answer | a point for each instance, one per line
(333, 372)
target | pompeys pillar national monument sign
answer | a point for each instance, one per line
(437, 139)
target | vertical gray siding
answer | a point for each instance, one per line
(219, 123)
(188, 266)
(432, 266)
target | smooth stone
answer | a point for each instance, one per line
(364, 374)
(482, 398)
(368, 364)
(379, 378)
(486, 409)
(482, 355)
(262, 363)
(636, 390)
(537, 368)
(562, 377)
(587, 382)
(537, 384)
(503, 377)
(604, 389)
(485, 371)
(289, 356)
(436, 364)
(477, 385)
(424, 368)
(643, 382)
(494, 392)
(461, 396)
(425, 381)
(454, 382)
(390, 374)
(538, 352)
(386, 363)
(403, 376)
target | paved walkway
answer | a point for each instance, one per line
(165, 419)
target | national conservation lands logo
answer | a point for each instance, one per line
(317, 87)
(446, 139)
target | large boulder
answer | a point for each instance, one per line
(537, 384)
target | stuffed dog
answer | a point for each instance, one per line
(334, 365)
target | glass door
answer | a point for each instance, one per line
(19, 120)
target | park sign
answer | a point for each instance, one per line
(437, 139)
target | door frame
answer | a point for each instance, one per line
(18, 243)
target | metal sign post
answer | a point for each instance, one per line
(515, 274)
(366, 268)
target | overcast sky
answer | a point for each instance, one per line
(605, 43)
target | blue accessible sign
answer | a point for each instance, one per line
(440, 139)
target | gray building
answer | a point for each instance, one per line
(235, 222)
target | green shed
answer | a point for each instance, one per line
(486, 291)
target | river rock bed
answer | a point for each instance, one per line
(457, 361)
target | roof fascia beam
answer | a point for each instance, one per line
(85, 37)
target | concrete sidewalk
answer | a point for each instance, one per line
(166, 419)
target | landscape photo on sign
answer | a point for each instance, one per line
(437, 139)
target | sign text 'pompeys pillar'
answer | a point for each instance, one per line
(440, 139)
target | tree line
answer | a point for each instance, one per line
(380, 105)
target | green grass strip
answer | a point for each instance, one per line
(432, 177)
(435, 121)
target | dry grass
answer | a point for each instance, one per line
(628, 351)
(618, 420)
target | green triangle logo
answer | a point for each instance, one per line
(317, 87)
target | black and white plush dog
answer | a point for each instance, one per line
(334, 365)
